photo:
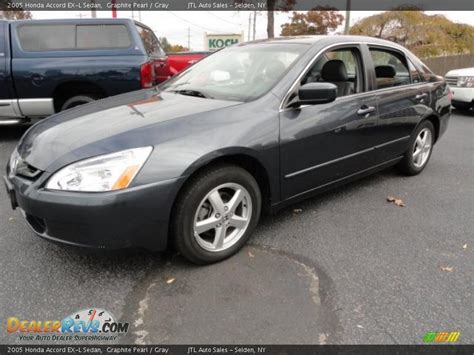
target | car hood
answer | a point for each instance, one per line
(106, 126)
(461, 72)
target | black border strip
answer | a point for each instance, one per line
(238, 349)
(235, 5)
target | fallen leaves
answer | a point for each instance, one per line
(396, 201)
(447, 268)
(170, 280)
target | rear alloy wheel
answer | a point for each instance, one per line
(216, 214)
(421, 147)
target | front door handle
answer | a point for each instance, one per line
(421, 96)
(37, 78)
(364, 110)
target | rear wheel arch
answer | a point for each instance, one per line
(435, 122)
(67, 90)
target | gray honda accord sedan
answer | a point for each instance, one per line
(195, 161)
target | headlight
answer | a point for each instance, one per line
(103, 173)
(466, 81)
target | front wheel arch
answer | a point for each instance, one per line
(247, 162)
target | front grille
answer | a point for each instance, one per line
(452, 80)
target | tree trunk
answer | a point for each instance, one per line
(271, 18)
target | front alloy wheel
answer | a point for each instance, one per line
(222, 217)
(215, 214)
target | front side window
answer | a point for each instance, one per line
(340, 67)
(391, 68)
(240, 73)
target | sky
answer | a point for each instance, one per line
(175, 25)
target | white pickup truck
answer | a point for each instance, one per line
(461, 82)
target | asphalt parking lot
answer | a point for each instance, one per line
(346, 267)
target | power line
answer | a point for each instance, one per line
(222, 19)
(193, 24)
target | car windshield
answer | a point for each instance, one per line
(240, 73)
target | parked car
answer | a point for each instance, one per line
(48, 66)
(461, 82)
(177, 62)
(196, 160)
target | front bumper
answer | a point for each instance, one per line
(134, 217)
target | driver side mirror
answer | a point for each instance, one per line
(316, 93)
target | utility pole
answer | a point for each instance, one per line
(93, 10)
(250, 24)
(189, 38)
(347, 25)
(254, 25)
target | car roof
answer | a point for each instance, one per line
(328, 39)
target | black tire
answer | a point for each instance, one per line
(76, 101)
(189, 201)
(407, 164)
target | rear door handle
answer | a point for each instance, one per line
(364, 110)
(421, 96)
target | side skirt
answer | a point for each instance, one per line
(333, 184)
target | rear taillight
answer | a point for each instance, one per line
(147, 75)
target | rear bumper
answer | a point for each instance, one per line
(134, 217)
(443, 124)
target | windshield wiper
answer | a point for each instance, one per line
(189, 92)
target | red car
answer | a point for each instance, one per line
(177, 62)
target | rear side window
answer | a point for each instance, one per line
(414, 74)
(151, 43)
(102, 36)
(426, 72)
(38, 38)
(43, 38)
(391, 68)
